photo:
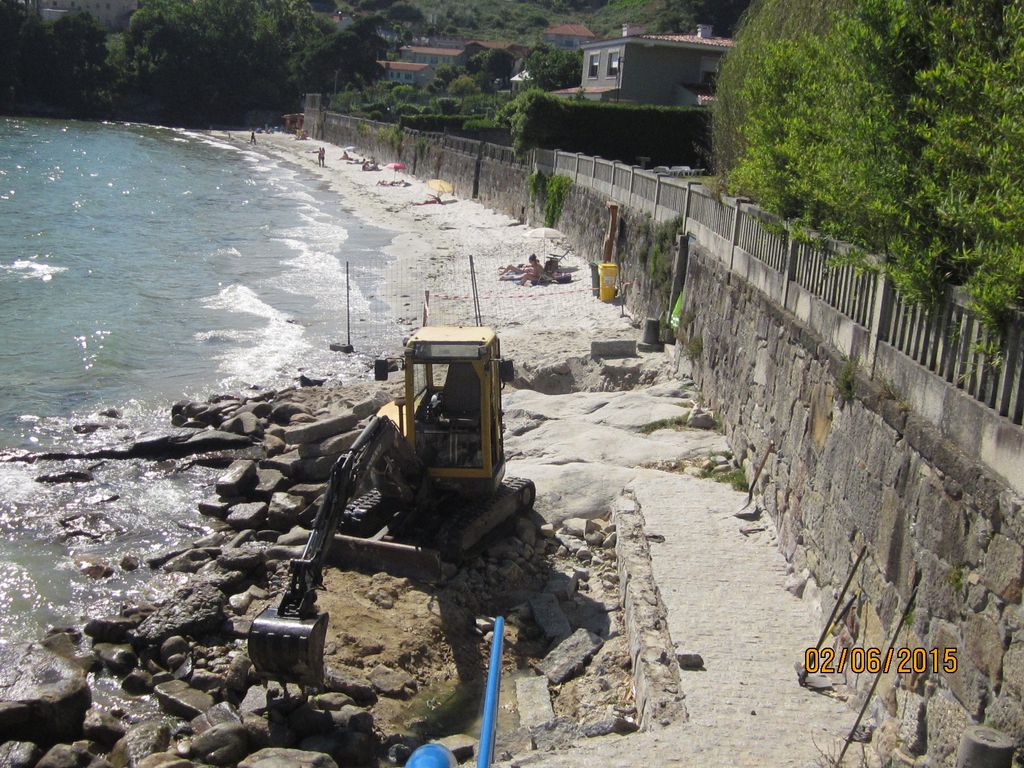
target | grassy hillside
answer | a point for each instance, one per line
(524, 20)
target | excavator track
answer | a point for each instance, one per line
(463, 531)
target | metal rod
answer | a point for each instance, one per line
(839, 600)
(348, 308)
(878, 676)
(476, 296)
(490, 719)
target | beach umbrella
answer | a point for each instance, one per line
(439, 185)
(396, 167)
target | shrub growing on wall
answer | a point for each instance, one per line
(557, 190)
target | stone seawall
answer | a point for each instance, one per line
(854, 467)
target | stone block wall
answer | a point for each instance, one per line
(852, 467)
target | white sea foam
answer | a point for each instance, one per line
(33, 269)
(258, 354)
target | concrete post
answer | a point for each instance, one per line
(657, 195)
(735, 233)
(576, 175)
(686, 202)
(881, 313)
(790, 274)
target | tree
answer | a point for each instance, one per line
(443, 76)
(553, 68)
(12, 16)
(463, 85)
(64, 64)
(491, 65)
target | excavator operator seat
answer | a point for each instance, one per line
(461, 395)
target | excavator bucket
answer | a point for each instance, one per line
(288, 649)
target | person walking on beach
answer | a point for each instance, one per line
(321, 157)
(252, 137)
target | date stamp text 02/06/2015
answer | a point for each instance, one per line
(903, 661)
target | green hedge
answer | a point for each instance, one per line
(433, 122)
(667, 135)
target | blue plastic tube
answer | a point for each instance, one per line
(490, 719)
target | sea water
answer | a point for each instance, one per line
(140, 265)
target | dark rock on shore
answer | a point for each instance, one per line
(193, 610)
(287, 758)
(146, 738)
(43, 696)
(223, 744)
(19, 754)
(66, 476)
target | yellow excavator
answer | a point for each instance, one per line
(424, 482)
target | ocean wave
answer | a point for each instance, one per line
(258, 355)
(33, 269)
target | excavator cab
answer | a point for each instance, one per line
(434, 463)
(451, 412)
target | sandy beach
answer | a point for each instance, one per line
(432, 249)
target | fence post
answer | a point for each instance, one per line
(632, 170)
(735, 232)
(657, 195)
(576, 174)
(881, 313)
(686, 201)
(790, 275)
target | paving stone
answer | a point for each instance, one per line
(570, 656)
(534, 701)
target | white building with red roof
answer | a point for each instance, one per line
(672, 69)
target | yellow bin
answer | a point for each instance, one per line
(609, 276)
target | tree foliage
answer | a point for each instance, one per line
(895, 124)
(554, 68)
(197, 62)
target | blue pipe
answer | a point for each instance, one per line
(490, 719)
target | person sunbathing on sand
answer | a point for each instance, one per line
(532, 274)
(431, 200)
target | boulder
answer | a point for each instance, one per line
(102, 727)
(119, 659)
(284, 511)
(463, 747)
(351, 718)
(349, 682)
(193, 610)
(320, 430)
(19, 754)
(178, 698)
(243, 424)
(548, 615)
(217, 508)
(66, 756)
(112, 630)
(346, 748)
(138, 682)
(274, 757)
(67, 476)
(240, 559)
(218, 714)
(392, 682)
(307, 721)
(237, 678)
(164, 760)
(43, 696)
(270, 481)
(251, 514)
(223, 744)
(570, 656)
(144, 739)
(240, 478)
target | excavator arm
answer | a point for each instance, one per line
(286, 642)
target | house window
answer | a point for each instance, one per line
(595, 64)
(613, 63)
